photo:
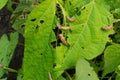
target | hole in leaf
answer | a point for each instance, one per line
(82, 47)
(36, 27)
(54, 65)
(34, 19)
(53, 44)
(59, 13)
(70, 31)
(22, 26)
(28, 12)
(77, 11)
(39, 2)
(41, 21)
(41, 53)
(83, 8)
(88, 74)
(69, 2)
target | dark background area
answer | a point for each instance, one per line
(6, 28)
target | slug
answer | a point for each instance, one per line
(62, 38)
(70, 19)
(63, 27)
(107, 28)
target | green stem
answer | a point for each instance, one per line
(10, 69)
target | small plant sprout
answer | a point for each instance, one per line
(107, 28)
(63, 27)
(62, 38)
(70, 19)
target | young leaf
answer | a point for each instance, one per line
(39, 54)
(111, 58)
(84, 71)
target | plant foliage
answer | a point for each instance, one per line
(64, 39)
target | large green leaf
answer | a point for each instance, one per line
(2, 3)
(6, 49)
(39, 54)
(84, 71)
(111, 58)
(87, 39)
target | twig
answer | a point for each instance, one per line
(49, 76)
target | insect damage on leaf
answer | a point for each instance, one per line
(41, 21)
(34, 19)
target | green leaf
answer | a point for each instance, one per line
(87, 39)
(84, 71)
(4, 79)
(39, 53)
(2, 3)
(3, 51)
(118, 73)
(79, 3)
(111, 58)
(20, 77)
(7, 49)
